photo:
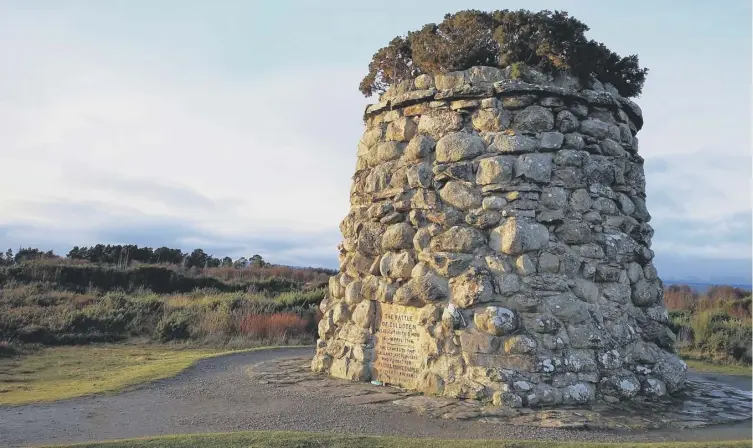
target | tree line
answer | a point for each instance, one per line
(123, 255)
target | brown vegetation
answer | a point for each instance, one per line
(56, 301)
(716, 325)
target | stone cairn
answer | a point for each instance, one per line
(498, 247)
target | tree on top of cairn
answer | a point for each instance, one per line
(549, 41)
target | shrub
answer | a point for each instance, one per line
(680, 297)
(303, 299)
(718, 334)
(35, 334)
(705, 323)
(218, 322)
(549, 41)
(6, 350)
(174, 326)
(158, 279)
(277, 325)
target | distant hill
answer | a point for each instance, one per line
(704, 271)
(703, 287)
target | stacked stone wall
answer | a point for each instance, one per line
(507, 219)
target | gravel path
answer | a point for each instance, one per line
(217, 395)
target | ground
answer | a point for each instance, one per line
(219, 394)
(289, 439)
(728, 369)
(57, 373)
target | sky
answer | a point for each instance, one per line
(233, 125)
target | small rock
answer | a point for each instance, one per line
(398, 236)
(491, 120)
(567, 122)
(458, 239)
(525, 265)
(459, 146)
(419, 147)
(536, 167)
(396, 264)
(495, 170)
(472, 287)
(401, 130)
(461, 195)
(513, 144)
(594, 128)
(549, 263)
(440, 123)
(496, 320)
(551, 140)
(518, 235)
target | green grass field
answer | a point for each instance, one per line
(289, 439)
(57, 373)
(707, 367)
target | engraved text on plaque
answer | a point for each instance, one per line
(397, 358)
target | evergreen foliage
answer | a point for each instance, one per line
(548, 41)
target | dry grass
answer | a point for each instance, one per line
(682, 297)
(715, 326)
(303, 275)
(707, 367)
(277, 325)
(677, 298)
(42, 313)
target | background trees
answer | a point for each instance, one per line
(125, 255)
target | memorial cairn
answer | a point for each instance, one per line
(498, 247)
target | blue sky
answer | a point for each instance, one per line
(233, 125)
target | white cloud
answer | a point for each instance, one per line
(107, 140)
(272, 154)
(700, 203)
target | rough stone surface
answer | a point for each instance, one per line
(512, 214)
(518, 235)
(627, 404)
(459, 146)
(496, 320)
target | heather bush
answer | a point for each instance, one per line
(55, 301)
(715, 325)
(273, 326)
(174, 326)
(40, 313)
(7, 350)
(549, 41)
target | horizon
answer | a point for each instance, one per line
(170, 124)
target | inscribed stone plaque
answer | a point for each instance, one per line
(398, 360)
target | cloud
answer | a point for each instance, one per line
(101, 150)
(687, 268)
(657, 165)
(155, 190)
(303, 249)
(729, 237)
(309, 248)
(112, 140)
(700, 204)
(706, 184)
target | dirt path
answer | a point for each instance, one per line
(217, 395)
